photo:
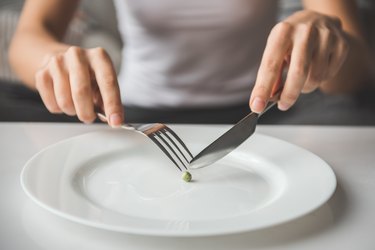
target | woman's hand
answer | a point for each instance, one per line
(75, 81)
(311, 46)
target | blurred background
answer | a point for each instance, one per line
(95, 25)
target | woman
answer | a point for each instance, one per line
(190, 54)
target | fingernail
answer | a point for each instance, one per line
(258, 105)
(115, 120)
(283, 106)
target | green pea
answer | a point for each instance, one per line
(186, 176)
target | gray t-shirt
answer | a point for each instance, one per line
(195, 53)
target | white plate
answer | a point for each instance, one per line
(119, 180)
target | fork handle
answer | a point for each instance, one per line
(104, 118)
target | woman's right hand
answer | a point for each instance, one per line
(76, 81)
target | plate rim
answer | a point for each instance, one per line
(169, 233)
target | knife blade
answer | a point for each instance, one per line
(229, 141)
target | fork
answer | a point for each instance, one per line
(165, 138)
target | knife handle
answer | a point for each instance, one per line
(273, 100)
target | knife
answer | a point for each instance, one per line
(231, 139)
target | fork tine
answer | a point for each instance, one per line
(165, 151)
(155, 132)
(175, 145)
(179, 140)
(160, 136)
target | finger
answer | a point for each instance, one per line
(303, 46)
(61, 85)
(336, 22)
(106, 78)
(80, 84)
(338, 56)
(319, 69)
(44, 85)
(278, 46)
(96, 97)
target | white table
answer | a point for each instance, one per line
(347, 221)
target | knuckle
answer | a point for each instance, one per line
(325, 33)
(86, 117)
(306, 30)
(112, 106)
(81, 90)
(261, 90)
(77, 58)
(299, 71)
(304, 27)
(310, 87)
(336, 21)
(289, 97)
(280, 32)
(283, 28)
(331, 39)
(100, 51)
(272, 66)
(40, 77)
(40, 85)
(344, 44)
(74, 50)
(57, 60)
(109, 80)
(315, 77)
(53, 108)
(65, 103)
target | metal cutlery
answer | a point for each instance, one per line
(230, 140)
(165, 138)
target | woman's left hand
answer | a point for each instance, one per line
(312, 46)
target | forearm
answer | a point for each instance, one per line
(356, 69)
(40, 30)
(29, 51)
